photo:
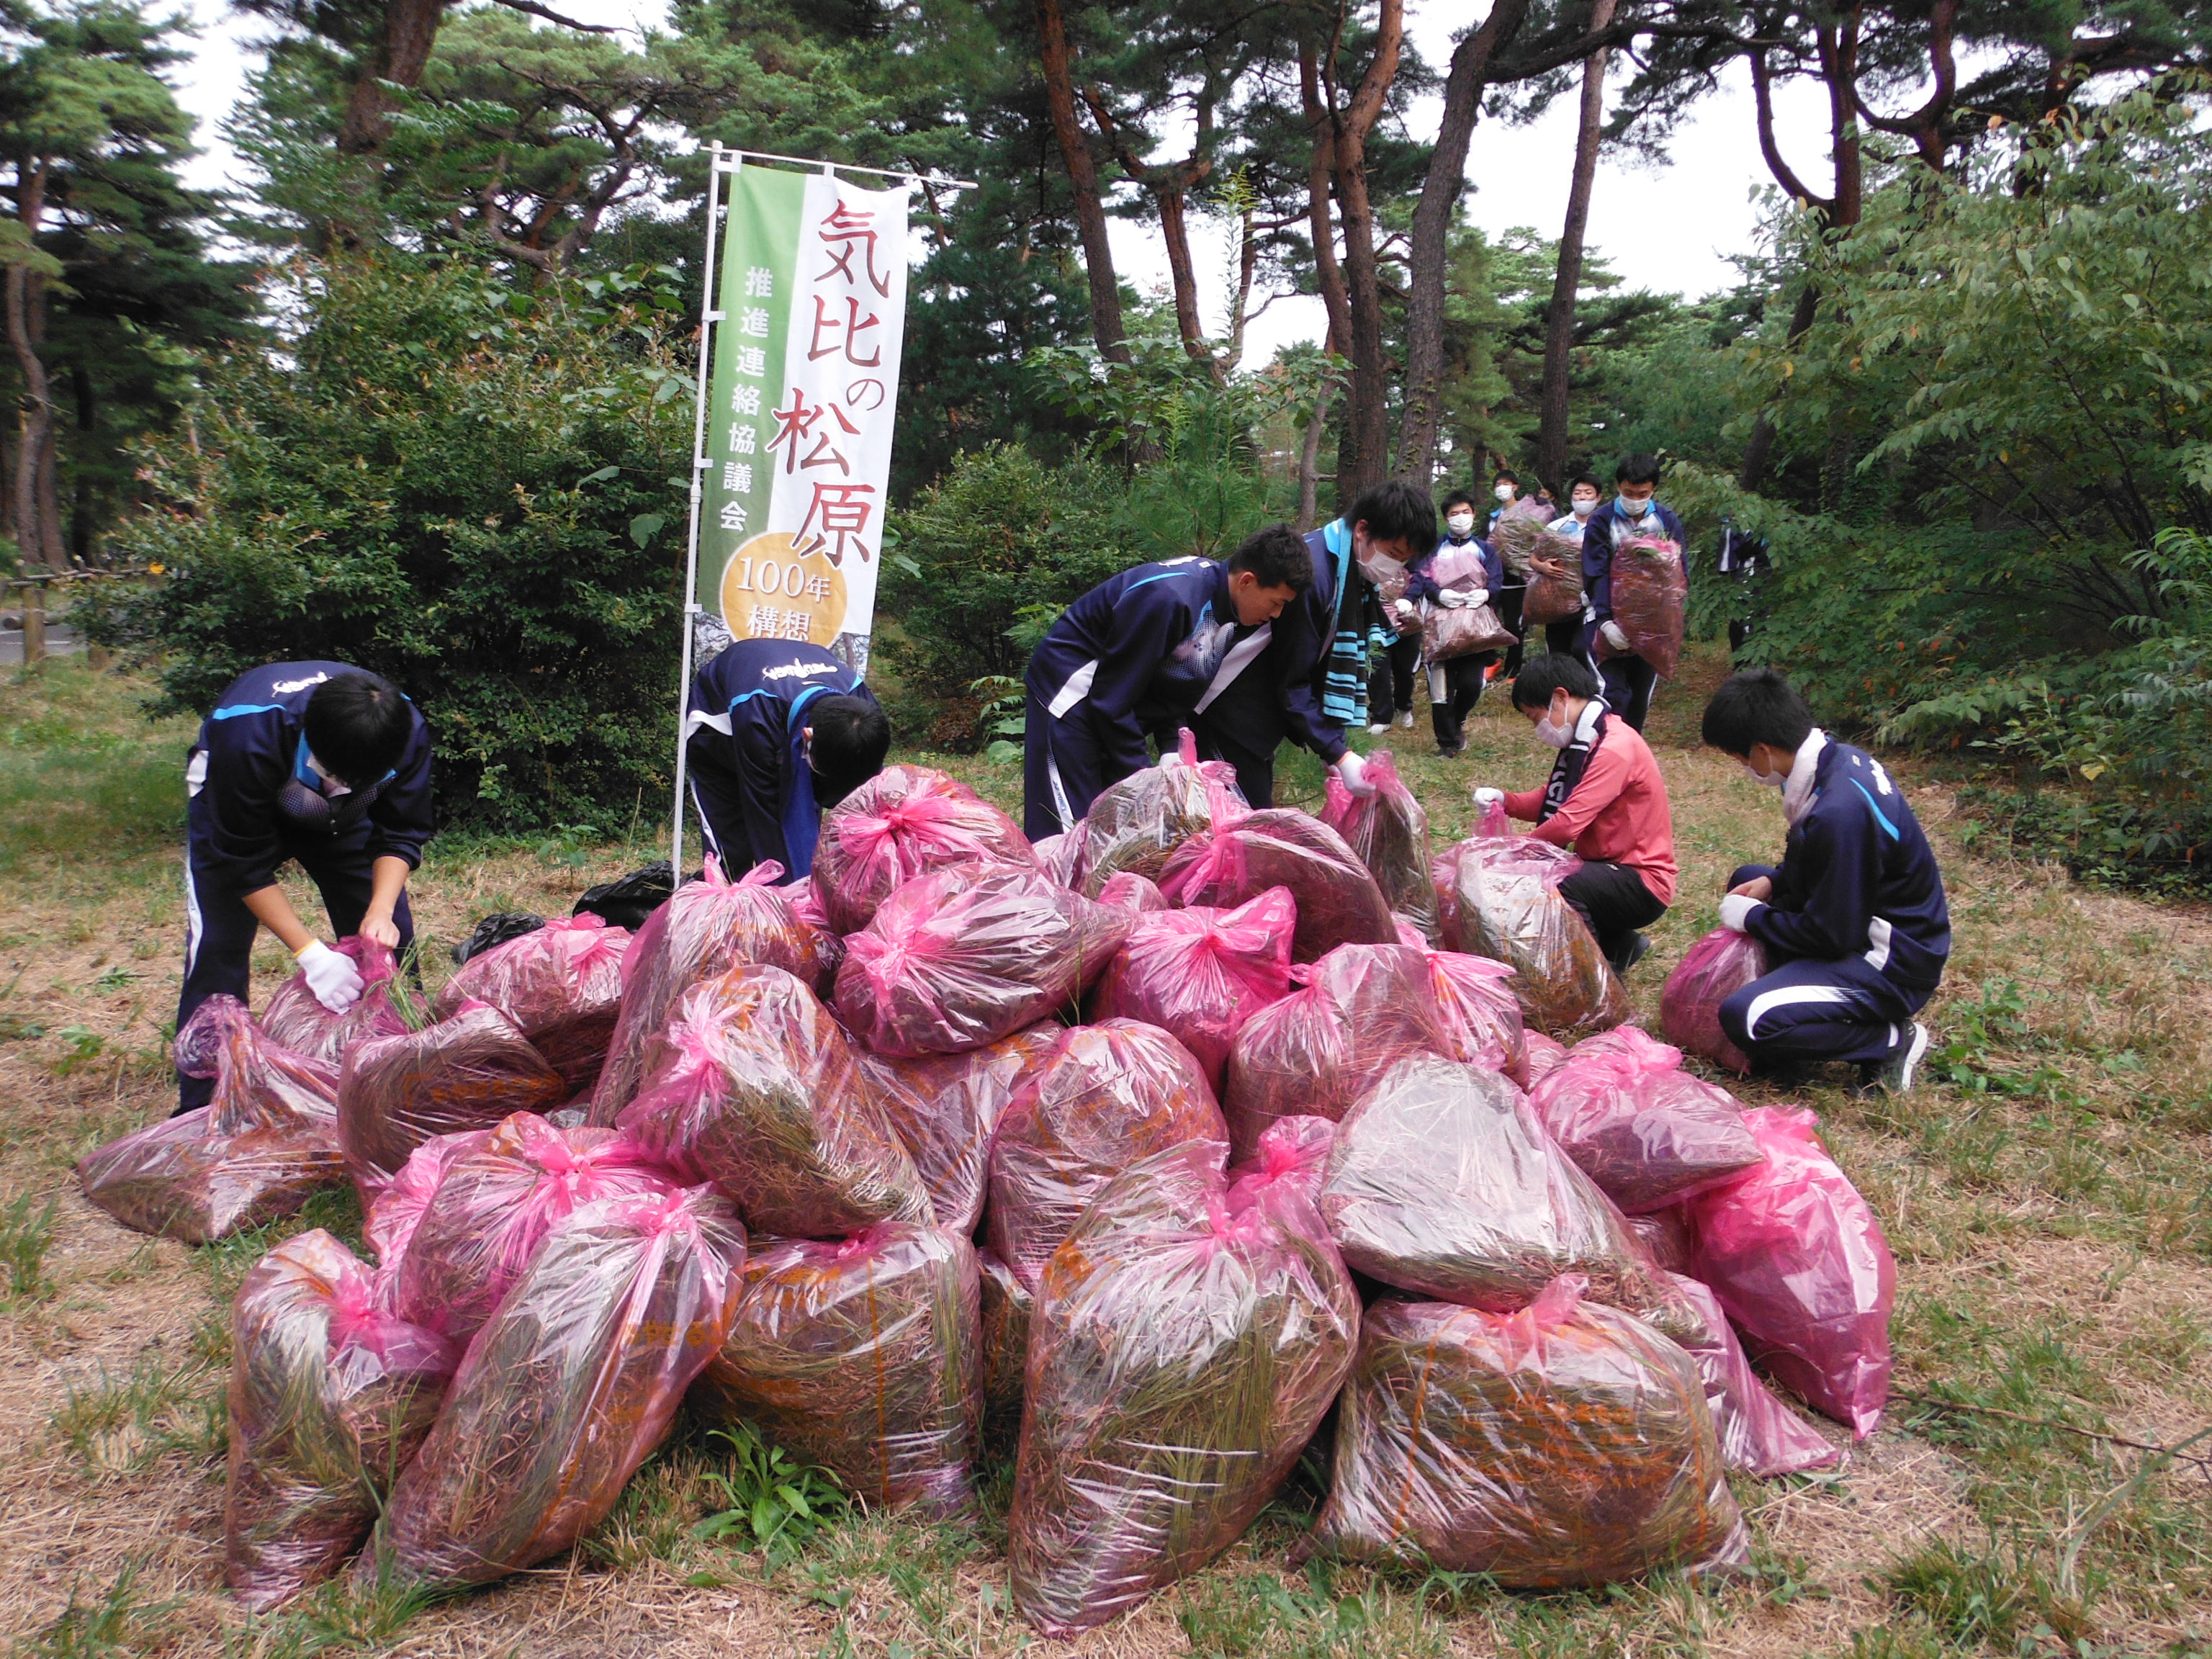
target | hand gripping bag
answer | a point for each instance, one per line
(1389, 830)
(1644, 1129)
(1801, 1264)
(1712, 971)
(1481, 1016)
(467, 1071)
(1564, 1444)
(263, 1144)
(494, 1203)
(1199, 974)
(755, 1089)
(1519, 539)
(1442, 1183)
(967, 956)
(1134, 826)
(571, 1386)
(863, 1356)
(1555, 589)
(1363, 1008)
(1650, 592)
(1132, 891)
(330, 1396)
(1499, 898)
(1759, 1434)
(707, 929)
(904, 823)
(946, 1107)
(1181, 1354)
(1112, 1093)
(1338, 901)
(1006, 1307)
(562, 986)
(295, 1018)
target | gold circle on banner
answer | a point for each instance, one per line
(769, 591)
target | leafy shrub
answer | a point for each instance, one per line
(474, 491)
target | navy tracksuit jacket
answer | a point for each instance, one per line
(241, 829)
(744, 751)
(1856, 931)
(1629, 680)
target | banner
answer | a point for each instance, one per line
(800, 411)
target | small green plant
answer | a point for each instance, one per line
(27, 1231)
(117, 978)
(1003, 718)
(84, 1046)
(15, 1028)
(132, 1421)
(121, 1622)
(569, 846)
(779, 1502)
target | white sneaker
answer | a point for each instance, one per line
(1406, 720)
(1897, 1074)
(1382, 731)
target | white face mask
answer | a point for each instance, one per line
(1460, 523)
(1585, 509)
(1549, 732)
(1771, 779)
(1503, 492)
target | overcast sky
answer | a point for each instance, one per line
(1669, 228)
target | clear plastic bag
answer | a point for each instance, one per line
(902, 823)
(1199, 974)
(330, 1396)
(1546, 1053)
(1134, 825)
(1132, 891)
(1797, 1258)
(494, 1203)
(863, 1356)
(1499, 898)
(467, 1071)
(1650, 594)
(1466, 630)
(1293, 1154)
(389, 1223)
(1644, 1129)
(294, 1018)
(1057, 855)
(1181, 1356)
(1389, 830)
(571, 1386)
(1564, 1444)
(1712, 971)
(562, 986)
(1481, 1016)
(1555, 589)
(1007, 1305)
(754, 1088)
(1520, 539)
(1111, 1094)
(1668, 1236)
(970, 955)
(1759, 1434)
(1338, 901)
(1363, 1008)
(945, 1109)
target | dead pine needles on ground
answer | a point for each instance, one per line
(2049, 1196)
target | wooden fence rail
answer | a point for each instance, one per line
(34, 586)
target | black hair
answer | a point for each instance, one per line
(1639, 467)
(1555, 671)
(1459, 498)
(1505, 475)
(1396, 511)
(1277, 556)
(357, 726)
(851, 736)
(1579, 480)
(1757, 706)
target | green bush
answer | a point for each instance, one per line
(476, 492)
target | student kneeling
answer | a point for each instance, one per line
(1604, 799)
(1854, 920)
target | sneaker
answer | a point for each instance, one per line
(1406, 720)
(1382, 731)
(1896, 1075)
(1447, 752)
(1631, 953)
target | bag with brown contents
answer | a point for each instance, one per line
(945, 1109)
(1338, 901)
(900, 824)
(1499, 899)
(562, 986)
(1651, 592)
(1134, 825)
(1388, 829)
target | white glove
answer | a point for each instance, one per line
(1403, 607)
(1611, 634)
(1735, 911)
(1468, 598)
(333, 978)
(1353, 771)
(1486, 798)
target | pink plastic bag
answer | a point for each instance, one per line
(1110, 1094)
(1651, 592)
(1132, 891)
(1713, 969)
(967, 956)
(1643, 1128)
(329, 1398)
(295, 1019)
(755, 1089)
(1338, 901)
(1006, 1307)
(569, 1388)
(1134, 826)
(1363, 1008)
(1200, 973)
(494, 1203)
(946, 1107)
(863, 1356)
(390, 1220)
(1561, 1445)
(1293, 1156)
(264, 1143)
(562, 986)
(902, 823)
(467, 1071)
(1497, 897)
(1759, 1434)
(1481, 1015)
(1801, 1264)
(1669, 1237)
(1181, 1354)
(1546, 1053)
(1388, 829)
(708, 927)
(1056, 855)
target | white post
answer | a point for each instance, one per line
(708, 316)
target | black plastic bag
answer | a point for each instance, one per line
(496, 929)
(628, 902)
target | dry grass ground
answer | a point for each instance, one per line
(2049, 1203)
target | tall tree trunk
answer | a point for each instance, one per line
(1058, 63)
(1567, 280)
(1170, 187)
(1321, 170)
(1759, 448)
(1309, 451)
(403, 47)
(1432, 240)
(37, 540)
(1365, 457)
(83, 513)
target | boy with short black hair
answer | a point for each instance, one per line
(1629, 679)
(1854, 920)
(1455, 684)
